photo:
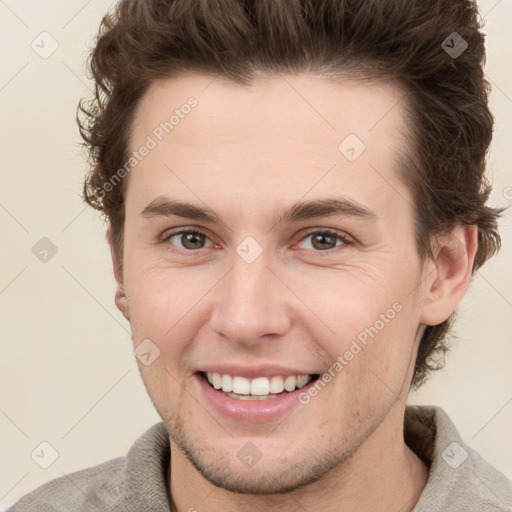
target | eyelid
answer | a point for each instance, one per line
(340, 235)
(167, 235)
(344, 237)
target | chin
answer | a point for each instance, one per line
(278, 479)
(281, 472)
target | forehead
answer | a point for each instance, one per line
(277, 138)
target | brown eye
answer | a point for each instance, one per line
(190, 240)
(325, 240)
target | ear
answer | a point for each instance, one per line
(120, 297)
(448, 281)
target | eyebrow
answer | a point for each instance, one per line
(163, 206)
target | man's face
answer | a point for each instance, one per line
(254, 298)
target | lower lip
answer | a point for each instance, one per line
(252, 411)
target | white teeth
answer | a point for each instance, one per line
(302, 380)
(289, 383)
(260, 386)
(276, 384)
(216, 381)
(227, 383)
(241, 386)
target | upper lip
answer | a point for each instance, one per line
(251, 372)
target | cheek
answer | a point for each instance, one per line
(167, 306)
(367, 326)
(156, 290)
(346, 303)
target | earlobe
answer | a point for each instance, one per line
(448, 281)
(121, 301)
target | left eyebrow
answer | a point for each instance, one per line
(163, 206)
(324, 208)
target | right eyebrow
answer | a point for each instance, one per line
(164, 207)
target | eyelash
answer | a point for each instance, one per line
(338, 235)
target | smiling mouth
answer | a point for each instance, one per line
(259, 388)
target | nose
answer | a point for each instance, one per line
(251, 303)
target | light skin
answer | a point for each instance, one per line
(247, 153)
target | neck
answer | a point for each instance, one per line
(382, 475)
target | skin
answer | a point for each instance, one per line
(247, 152)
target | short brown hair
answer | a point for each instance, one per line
(400, 40)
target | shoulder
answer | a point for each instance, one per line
(136, 481)
(100, 484)
(460, 479)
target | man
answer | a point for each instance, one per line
(296, 200)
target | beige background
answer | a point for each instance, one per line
(67, 374)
